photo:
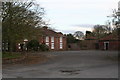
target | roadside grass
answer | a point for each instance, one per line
(0, 54)
(29, 59)
(11, 55)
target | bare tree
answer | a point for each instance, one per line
(19, 21)
(79, 35)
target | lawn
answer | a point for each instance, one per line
(0, 54)
(29, 59)
(11, 55)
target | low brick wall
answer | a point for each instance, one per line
(12, 60)
(88, 44)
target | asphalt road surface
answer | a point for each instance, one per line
(69, 64)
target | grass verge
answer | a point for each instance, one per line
(10, 55)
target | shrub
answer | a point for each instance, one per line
(33, 45)
(43, 47)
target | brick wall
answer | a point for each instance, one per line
(88, 44)
(56, 42)
(113, 45)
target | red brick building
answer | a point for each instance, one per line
(110, 42)
(54, 40)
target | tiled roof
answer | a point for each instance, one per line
(110, 37)
(90, 38)
(48, 32)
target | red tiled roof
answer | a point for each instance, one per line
(110, 37)
(91, 37)
(48, 32)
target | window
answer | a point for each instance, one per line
(61, 42)
(47, 39)
(61, 45)
(60, 39)
(52, 39)
(52, 45)
(47, 44)
(19, 47)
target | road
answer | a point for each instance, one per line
(69, 64)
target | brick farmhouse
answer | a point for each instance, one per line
(54, 40)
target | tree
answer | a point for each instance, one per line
(116, 20)
(99, 31)
(79, 35)
(88, 34)
(19, 21)
(71, 39)
(107, 27)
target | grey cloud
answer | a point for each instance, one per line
(83, 25)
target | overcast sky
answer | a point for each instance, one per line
(69, 16)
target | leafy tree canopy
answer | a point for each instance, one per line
(21, 20)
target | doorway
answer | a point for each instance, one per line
(106, 45)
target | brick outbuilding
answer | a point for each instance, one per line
(110, 42)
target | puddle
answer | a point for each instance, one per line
(70, 72)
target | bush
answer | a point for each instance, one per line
(35, 46)
(43, 47)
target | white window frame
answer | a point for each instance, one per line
(47, 44)
(52, 39)
(61, 39)
(19, 47)
(47, 39)
(105, 44)
(61, 45)
(52, 46)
